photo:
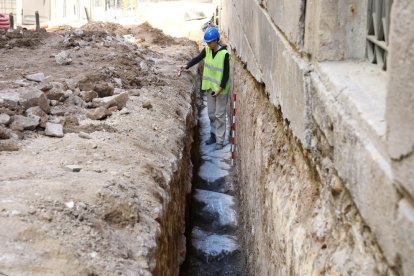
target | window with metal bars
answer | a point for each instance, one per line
(378, 31)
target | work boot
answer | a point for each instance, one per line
(219, 146)
(211, 140)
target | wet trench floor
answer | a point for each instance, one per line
(213, 244)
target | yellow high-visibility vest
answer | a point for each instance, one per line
(214, 70)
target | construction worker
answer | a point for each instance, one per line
(216, 83)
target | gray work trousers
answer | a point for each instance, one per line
(216, 107)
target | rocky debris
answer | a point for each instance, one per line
(71, 84)
(73, 168)
(37, 112)
(119, 101)
(38, 77)
(124, 111)
(20, 122)
(4, 133)
(75, 100)
(54, 130)
(4, 119)
(104, 89)
(95, 82)
(88, 96)
(147, 105)
(21, 83)
(63, 58)
(8, 145)
(118, 82)
(29, 97)
(99, 113)
(9, 99)
(84, 135)
(54, 91)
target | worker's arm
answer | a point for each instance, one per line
(226, 75)
(192, 62)
(197, 59)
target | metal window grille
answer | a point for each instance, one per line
(378, 31)
(8, 6)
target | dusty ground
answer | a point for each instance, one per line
(103, 219)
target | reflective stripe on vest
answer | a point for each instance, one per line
(214, 70)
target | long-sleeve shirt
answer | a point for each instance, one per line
(226, 69)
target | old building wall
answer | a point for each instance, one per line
(345, 112)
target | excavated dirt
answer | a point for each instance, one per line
(111, 217)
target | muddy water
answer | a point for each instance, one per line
(212, 231)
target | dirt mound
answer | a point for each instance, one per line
(110, 28)
(21, 38)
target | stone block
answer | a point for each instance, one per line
(119, 101)
(259, 40)
(400, 96)
(38, 77)
(403, 170)
(365, 171)
(289, 16)
(4, 119)
(54, 130)
(335, 30)
(237, 39)
(88, 96)
(37, 112)
(99, 113)
(21, 122)
(9, 99)
(104, 89)
(30, 97)
(404, 236)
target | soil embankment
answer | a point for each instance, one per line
(93, 181)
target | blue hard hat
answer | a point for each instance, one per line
(211, 34)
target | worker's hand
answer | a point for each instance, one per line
(217, 92)
(180, 69)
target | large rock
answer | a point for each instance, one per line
(33, 97)
(54, 130)
(37, 112)
(54, 91)
(21, 122)
(4, 119)
(117, 100)
(4, 132)
(38, 77)
(8, 145)
(63, 58)
(99, 113)
(104, 89)
(88, 96)
(9, 99)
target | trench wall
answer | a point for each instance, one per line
(325, 169)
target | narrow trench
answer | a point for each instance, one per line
(213, 243)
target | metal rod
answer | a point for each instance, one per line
(87, 14)
(11, 20)
(37, 21)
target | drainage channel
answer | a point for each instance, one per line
(213, 246)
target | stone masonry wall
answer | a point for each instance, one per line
(297, 216)
(346, 114)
